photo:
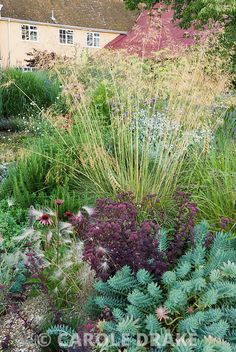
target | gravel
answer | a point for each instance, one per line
(22, 338)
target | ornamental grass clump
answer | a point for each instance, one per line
(192, 309)
(156, 115)
(115, 236)
(212, 180)
(129, 126)
(21, 92)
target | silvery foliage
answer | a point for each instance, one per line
(158, 132)
(3, 170)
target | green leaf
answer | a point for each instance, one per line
(140, 299)
(169, 278)
(209, 298)
(144, 277)
(229, 270)
(183, 269)
(128, 325)
(152, 324)
(155, 291)
(217, 329)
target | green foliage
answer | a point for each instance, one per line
(63, 279)
(189, 300)
(61, 164)
(59, 329)
(212, 177)
(20, 91)
(11, 124)
(19, 278)
(133, 4)
(66, 329)
(64, 332)
(198, 11)
(100, 102)
(13, 277)
(13, 219)
(41, 176)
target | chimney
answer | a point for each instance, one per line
(53, 18)
(1, 6)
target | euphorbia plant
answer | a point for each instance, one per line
(191, 309)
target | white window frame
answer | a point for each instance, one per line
(93, 40)
(29, 33)
(68, 35)
(27, 69)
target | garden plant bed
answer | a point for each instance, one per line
(11, 146)
(117, 210)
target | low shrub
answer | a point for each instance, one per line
(45, 260)
(13, 220)
(194, 305)
(12, 125)
(100, 102)
(20, 92)
(41, 175)
(114, 236)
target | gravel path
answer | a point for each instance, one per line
(21, 338)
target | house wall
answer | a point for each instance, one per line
(13, 49)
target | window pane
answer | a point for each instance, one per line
(89, 39)
(29, 33)
(93, 40)
(96, 40)
(62, 36)
(70, 37)
(25, 32)
(66, 36)
(33, 35)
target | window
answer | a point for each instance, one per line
(27, 69)
(29, 33)
(66, 36)
(93, 40)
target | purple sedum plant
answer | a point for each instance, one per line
(114, 236)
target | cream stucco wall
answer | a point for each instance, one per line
(13, 49)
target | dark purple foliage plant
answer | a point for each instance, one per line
(115, 236)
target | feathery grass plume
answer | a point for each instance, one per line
(171, 104)
(115, 185)
(133, 126)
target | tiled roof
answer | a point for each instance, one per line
(154, 31)
(97, 14)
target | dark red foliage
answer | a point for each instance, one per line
(183, 228)
(113, 237)
(224, 222)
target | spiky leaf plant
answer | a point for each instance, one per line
(192, 309)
